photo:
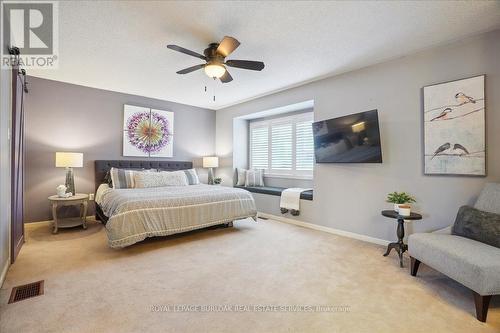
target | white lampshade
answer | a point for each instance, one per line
(69, 160)
(210, 162)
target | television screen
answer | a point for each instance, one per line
(350, 139)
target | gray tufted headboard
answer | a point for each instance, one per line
(103, 166)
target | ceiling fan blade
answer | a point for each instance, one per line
(226, 77)
(186, 51)
(246, 64)
(227, 46)
(190, 69)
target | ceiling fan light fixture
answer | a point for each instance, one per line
(215, 64)
(215, 70)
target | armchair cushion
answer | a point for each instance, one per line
(474, 264)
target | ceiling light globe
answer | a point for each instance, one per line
(215, 70)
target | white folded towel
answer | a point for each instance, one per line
(290, 197)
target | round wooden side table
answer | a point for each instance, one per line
(78, 199)
(399, 246)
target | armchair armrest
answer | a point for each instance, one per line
(445, 230)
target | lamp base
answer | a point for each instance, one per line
(70, 181)
(210, 176)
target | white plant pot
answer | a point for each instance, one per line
(404, 211)
(396, 206)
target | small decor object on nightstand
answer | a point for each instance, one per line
(217, 181)
(61, 191)
(77, 199)
(69, 161)
(210, 162)
(399, 246)
(400, 198)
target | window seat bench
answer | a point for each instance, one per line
(271, 190)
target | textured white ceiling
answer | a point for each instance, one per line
(121, 46)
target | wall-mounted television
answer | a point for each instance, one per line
(349, 139)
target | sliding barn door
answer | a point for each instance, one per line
(17, 167)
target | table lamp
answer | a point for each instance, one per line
(69, 161)
(210, 162)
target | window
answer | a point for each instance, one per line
(283, 146)
(259, 149)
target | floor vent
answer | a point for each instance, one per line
(20, 293)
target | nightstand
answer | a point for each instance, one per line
(77, 199)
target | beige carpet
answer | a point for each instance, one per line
(92, 288)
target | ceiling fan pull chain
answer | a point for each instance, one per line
(214, 88)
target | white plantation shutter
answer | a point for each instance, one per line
(281, 147)
(304, 146)
(259, 148)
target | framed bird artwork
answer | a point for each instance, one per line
(455, 128)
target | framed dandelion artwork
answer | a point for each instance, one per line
(147, 132)
(455, 128)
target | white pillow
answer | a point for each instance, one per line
(254, 177)
(241, 176)
(192, 177)
(160, 179)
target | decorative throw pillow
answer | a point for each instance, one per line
(160, 179)
(254, 177)
(192, 177)
(122, 178)
(241, 176)
(478, 225)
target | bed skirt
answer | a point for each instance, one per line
(132, 239)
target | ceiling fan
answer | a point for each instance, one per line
(215, 56)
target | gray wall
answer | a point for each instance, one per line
(67, 117)
(5, 112)
(350, 197)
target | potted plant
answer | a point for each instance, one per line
(217, 181)
(399, 198)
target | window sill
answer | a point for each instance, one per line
(275, 175)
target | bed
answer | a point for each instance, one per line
(132, 215)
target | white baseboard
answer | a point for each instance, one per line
(326, 229)
(5, 268)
